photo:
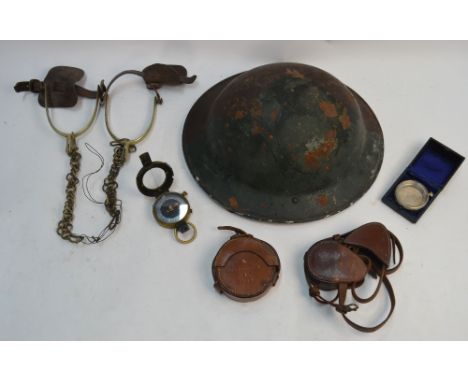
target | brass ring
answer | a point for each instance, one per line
(192, 238)
(79, 132)
(106, 112)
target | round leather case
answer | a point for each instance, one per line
(245, 268)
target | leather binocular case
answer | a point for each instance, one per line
(245, 268)
(342, 262)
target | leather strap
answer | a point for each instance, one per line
(314, 292)
(395, 242)
(341, 307)
(372, 296)
(33, 85)
(37, 86)
(238, 232)
(371, 329)
(82, 92)
(382, 272)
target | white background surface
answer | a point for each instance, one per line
(141, 284)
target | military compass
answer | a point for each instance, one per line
(412, 195)
(171, 209)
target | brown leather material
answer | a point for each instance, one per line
(269, 255)
(343, 261)
(374, 237)
(330, 262)
(157, 75)
(62, 90)
(245, 268)
(371, 329)
(364, 300)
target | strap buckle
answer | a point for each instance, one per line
(346, 308)
(33, 85)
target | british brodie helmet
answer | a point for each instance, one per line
(283, 143)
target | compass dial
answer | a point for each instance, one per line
(171, 208)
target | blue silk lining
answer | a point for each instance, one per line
(434, 166)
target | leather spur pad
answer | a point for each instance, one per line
(330, 262)
(157, 75)
(61, 90)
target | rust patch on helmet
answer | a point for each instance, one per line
(311, 160)
(313, 157)
(256, 109)
(233, 202)
(239, 114)
(274, 115)
(257, 130)
(294, 73)
(330, 135)
(345, 120)
(322, 200)
(328, 108)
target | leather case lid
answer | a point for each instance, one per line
(330, 262)
(433, 166)
(245, 268)
(246, 243)
(375, 238)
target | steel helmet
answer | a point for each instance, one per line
(283, 142)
